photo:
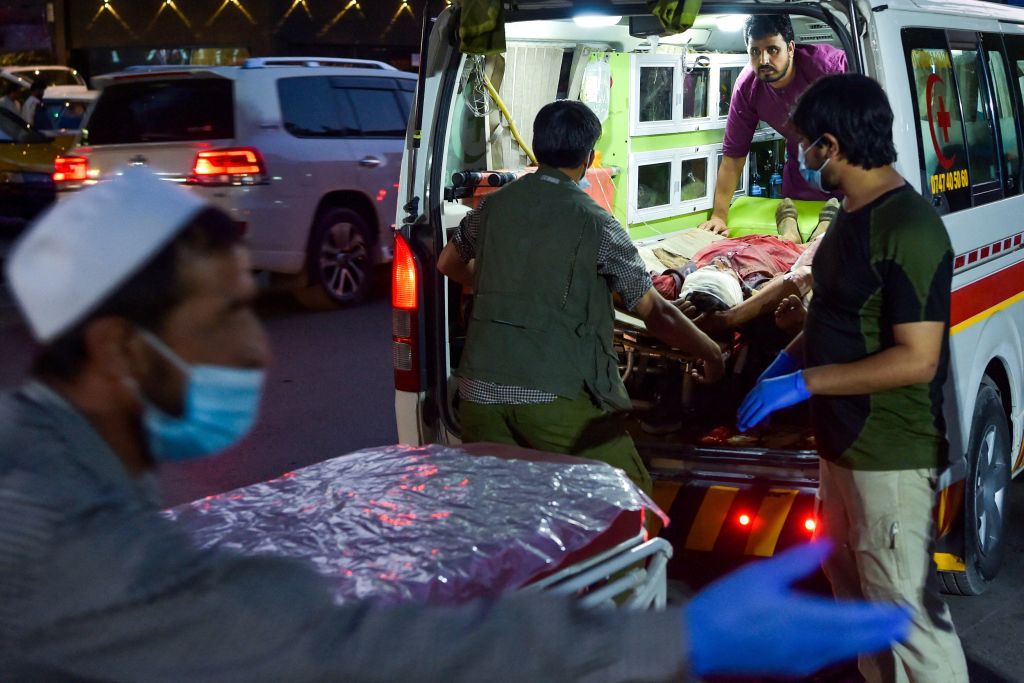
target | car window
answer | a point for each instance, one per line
(14, 130)
(378, 111)
(309, 108)
(331, 106)
(163, 111)
(51, 76)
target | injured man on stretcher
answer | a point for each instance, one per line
(750, 294)
(733, 281)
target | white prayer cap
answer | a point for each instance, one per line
(83, 248)
(716, 281)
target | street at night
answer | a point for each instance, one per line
(535, 341)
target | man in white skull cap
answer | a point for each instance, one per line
(140, 297)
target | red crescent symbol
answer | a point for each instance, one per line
(944, 161)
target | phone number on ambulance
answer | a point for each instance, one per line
(952, 180)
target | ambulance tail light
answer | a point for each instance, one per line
(405, 295)
(810, 524)
(228, 166)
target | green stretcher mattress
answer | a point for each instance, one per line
(756, 215)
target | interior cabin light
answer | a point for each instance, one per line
(596, 20)
(730, 23)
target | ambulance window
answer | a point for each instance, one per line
(1003, 97)
(693, 174)
(654, 185)
(656, 94)
(945, 175)
(974, 104)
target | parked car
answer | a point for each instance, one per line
(26, 168)
(63, 109)
(303, 153)
(52, 74)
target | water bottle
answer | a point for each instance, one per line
(756, 191)
(775, 186)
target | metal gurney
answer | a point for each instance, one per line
(447, 525)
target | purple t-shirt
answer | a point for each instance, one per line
(754, 100)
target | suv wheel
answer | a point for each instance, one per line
(986, 496)
(339, 266)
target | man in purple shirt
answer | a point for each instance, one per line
(780, 71)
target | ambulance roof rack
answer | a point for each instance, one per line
(260, 62)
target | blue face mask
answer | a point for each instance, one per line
(811, 175)
(221, 404)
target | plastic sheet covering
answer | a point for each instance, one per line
(431, 524)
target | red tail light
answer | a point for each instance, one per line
(70, 169)
(405, 297)
(232, 166)
(810, 524)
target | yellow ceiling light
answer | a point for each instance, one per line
(352, 5)
(296, 4)
(403, 7)
(173, 7)
(228, 3)
(107, 8)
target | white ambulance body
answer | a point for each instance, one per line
(954, 74)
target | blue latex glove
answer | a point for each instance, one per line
(783, 364)
(752, 623)
(770, 395)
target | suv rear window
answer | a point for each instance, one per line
(163, 111)
(344, 106)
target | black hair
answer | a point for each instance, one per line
(564, 133)
(760, 26)
(147, 297)
(705, 302)
(856, 111)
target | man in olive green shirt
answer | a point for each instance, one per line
(539, 369)
(875, 348)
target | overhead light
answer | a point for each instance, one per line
(731, 23)
(596, 20)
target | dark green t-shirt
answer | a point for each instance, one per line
(885, 264)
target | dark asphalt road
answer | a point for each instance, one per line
(330, 392)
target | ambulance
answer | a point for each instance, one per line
(954, 74)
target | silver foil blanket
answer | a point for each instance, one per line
(431, 524)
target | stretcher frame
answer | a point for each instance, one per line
(631, 574)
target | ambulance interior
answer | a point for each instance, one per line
(664, 102)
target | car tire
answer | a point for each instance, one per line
(986, 496)
(339, 265)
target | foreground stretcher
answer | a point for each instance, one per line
(446, 525)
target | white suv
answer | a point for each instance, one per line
(303, 153)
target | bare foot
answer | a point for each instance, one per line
(790, 314)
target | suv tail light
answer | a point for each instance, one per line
(70, 169)
(405, 296)
(230, 166)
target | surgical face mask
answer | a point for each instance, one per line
(220, 407)
(811, 175)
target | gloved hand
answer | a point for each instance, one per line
(782, 364)
(751, 622)
(770, 395)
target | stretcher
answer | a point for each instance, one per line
(444, 525)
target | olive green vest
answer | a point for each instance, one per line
(542, 316)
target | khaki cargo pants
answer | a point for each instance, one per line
(882, 527)
(573, 427)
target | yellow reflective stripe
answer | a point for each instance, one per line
(987, 313)
(947, 562)
(710, 517)
(771, 517)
